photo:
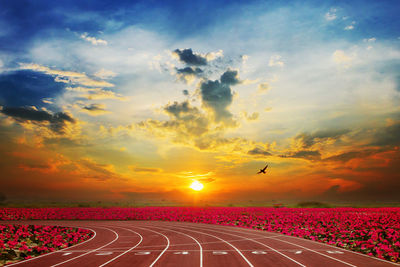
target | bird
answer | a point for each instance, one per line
(263, 170)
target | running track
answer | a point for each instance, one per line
(158, 243)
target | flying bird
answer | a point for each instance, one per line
(263, 170)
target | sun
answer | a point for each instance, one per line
(196, 185)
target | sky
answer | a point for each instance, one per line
(131, 101)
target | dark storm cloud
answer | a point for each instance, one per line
(25, 88)
(176, 109)
(57, 121)
(230, 77)
(95, 108)
(188, 74)
(189, 70)
(398, 83)
(344, 157)
(305, 154)
(217, 95)
(188, 57)
(373, 192)
(309, 140)
(185, 121)
(387, 136)
(22, 113)
(259, 152)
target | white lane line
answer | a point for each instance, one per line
(201, 248)
(141, 239)
(116, 237)
(346, 250)
(165, 249)
(205, 228)
(317, 252)
(61, 250)
(303, 248)
(238, 251)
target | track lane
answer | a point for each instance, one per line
(173, 237)
(257, 252)
(222, 240)
(181, 248)
(69, 263)
(347, 257)
(148, 252)
(260, 249)
(290, 252)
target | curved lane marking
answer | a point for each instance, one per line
(165, 249)
(116, 237)
(57, 251)
(346, 250)
(201, 248)
(251, 231)
(246, 238)
(304, 248)
(237, 250)
(141, 239)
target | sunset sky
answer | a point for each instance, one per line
(131, 102)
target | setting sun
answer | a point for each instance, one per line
(196, 185)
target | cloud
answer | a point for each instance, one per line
(340, 57)
(189, 70)
(92, 40)
(66, 76)
(176, 109)
(350, 27)
(95, 109)
(47, 100)
(370, 40)
(26, 88)
(275, 60)
(91, 169)
(387, 136)
(189, 126)
(213, 55)
(347, 156)
(188, 74)
(305, 154)
(105, 74)
(188, 57)
(252, 117)
(230, 77)
(142, 169)
(217, 96)
(263, 87)
(331, 14)
(201, 177)
(185, 121)
(57, 121)
(259, 152)
(308, 140)
(96, 93)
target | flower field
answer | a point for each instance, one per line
(18, 242)
(373, 231)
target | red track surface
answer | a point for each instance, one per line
(154, 243)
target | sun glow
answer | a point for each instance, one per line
(196, 185)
